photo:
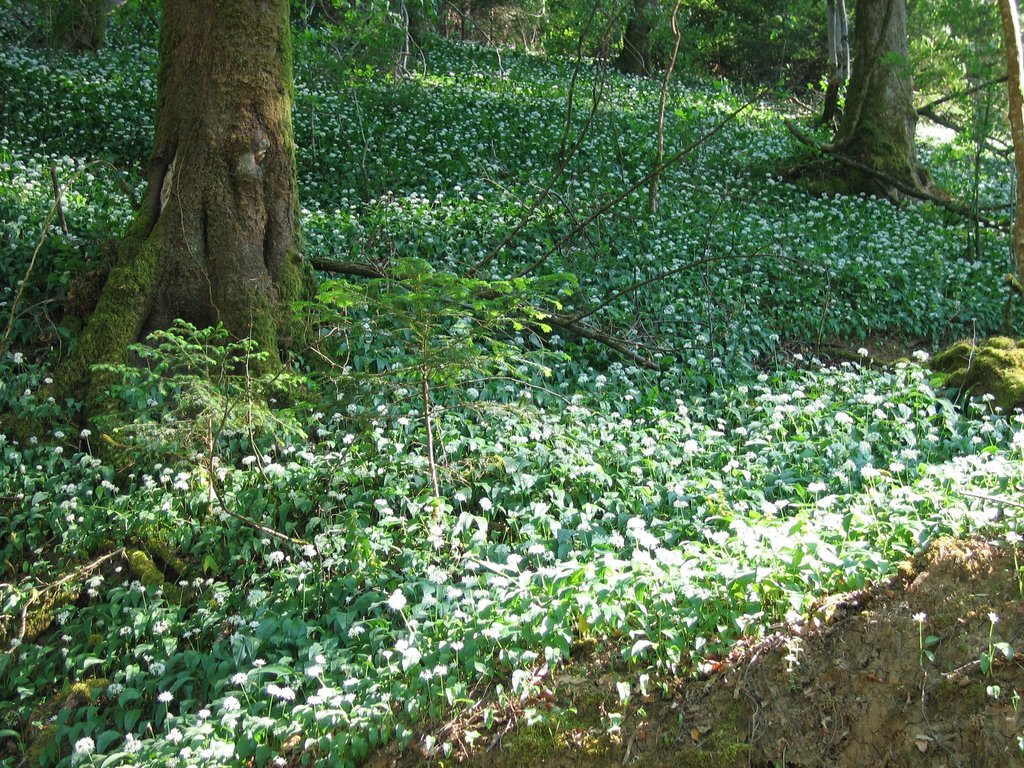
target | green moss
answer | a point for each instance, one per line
(146, 571)
(44, 744)
(560, 742)
(994, 367)
(117, 319)
(724, 747)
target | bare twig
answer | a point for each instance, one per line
(565, 322)
(960, 94)
(652, 194)
(602, 209)
(565, 155)
(78, 573)
(57, 198)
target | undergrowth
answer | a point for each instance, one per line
(451, 493)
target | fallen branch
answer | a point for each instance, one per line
(915, 192)
(567, 323)
(78, 573)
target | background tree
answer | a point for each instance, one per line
(837, 27)
(1015, 69)
(77, 25)
(217, 237)
(635, 56)
(879, 122)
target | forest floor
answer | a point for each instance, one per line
(917, 671)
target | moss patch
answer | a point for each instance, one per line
(149, 575)
(994, 367)
(119, 314)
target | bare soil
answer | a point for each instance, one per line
(849, 688)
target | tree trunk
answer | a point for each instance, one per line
(78, 25)
(1015, 70)
(838, 29)
(878, 125)
(635, 57)
(217, 239)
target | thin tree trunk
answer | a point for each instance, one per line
(216, 241)
(1015, 70)
(839, 57)
(652, 190)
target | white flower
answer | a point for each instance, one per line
(994, 618)
(275, 558)
(83, 749)
(132, 744)
(397, 601)
(166, 697)
(283, 693)
(231, 704)
(921, 356)
(410, 657)
(174, 736)
(863, 352)
(485, 504)
(239, 678)
(920, 618)
(203, 714)
(817, 487)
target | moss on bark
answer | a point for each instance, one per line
(217, 241)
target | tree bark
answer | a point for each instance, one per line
(1015, 70)
(78, 25)
(635, 57)
(838, 29)
(879, 122)
(217, 238)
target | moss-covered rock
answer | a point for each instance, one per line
(995, 367)
(149, 575)
(42, 745)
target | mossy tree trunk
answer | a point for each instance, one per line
(1015, 81)
(635, 57)
(878, 124)
(217, 239)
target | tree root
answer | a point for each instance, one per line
(919, 193)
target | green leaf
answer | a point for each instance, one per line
(107, 738)
(1004, 648)
(128, 695)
